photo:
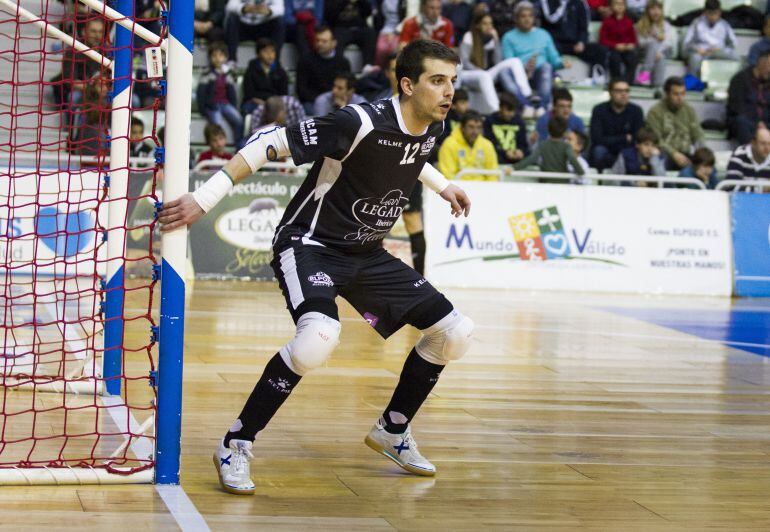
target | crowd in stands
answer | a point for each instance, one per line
(511, 52)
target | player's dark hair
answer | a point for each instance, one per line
(265, 42)
(561, 94)
(211, 131)
(673, 81)
(350, 79)
(557, 127)
(471, 116)
(703, 157)
(411, 61)
(646, 134)
(508, 101)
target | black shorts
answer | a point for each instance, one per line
(379, 286)
(415, 199)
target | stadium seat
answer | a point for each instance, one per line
(717, 73)
(673, 9)
(579, 71)
(584, 101)
(356, 58)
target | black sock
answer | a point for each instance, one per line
(417, 380)
(417, 240)
(272, 389)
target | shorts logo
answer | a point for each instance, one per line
(427, 146)
(371, 319)
(321, 279)
(282, 385)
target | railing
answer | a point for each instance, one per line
(587, 179)
(738, 184)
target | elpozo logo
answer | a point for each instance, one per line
(250, 227)
(538, 236)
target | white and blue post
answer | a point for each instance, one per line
(174, 244)
(120, 128)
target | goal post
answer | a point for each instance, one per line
(83, 400)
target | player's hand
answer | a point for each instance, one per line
(459, 200)
(179, 213)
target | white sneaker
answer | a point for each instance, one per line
(528, 113)
(401, 448)
(233, 467)
(540, 112)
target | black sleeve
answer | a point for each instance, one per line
(735, 96)
(249, 81)
(304, 90)
(282, 82)
(323, 136)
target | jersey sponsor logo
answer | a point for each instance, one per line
(321, 279)
(427, 146)
(386, 142)
(309, 132)
(377, 215)
(419, 283)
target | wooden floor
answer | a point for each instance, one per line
(562, 416)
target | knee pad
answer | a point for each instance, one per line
(316, 337)
(449, 339)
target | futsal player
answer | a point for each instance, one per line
(367, 159)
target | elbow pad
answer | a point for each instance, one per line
(265, 145)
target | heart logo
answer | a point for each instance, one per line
(556, 244)
(64, 234)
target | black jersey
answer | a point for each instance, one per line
(366, 165)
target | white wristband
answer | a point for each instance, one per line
(213, 190)
(433, 179)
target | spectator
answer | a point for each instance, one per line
(600, 9)
(702, 167)
(210, 19)
(343, 93)
(460, 106)
(216, 92)
(507, 131)
(482, 65)
(553, 154)
(265, 77)
(275, 113)
(138, 146)
(217, 143)
(636, 9)
(748, 101)
(567, 22)
(91, 138)
(347, 19)
(77, 69)
(295, 112)
(250, 20)
(657, 42)
(380, 84)
(676, 124)
(428, 24)
(643, 158)
(751, 161)
(762, 44)
(614, 125)
(387, 19)
(316, 72)
(460, 14)
(562, 108)
(617, 34)
(534, 47)
(578, 142)
(467, 148)
(502, 13)
(708, 37)
(301, 18)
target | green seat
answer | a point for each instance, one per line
(717, 73)
(584, 101)
(673, 9)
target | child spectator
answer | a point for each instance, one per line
(483, 65)
(535, 48)
(507, 131)
(642, 159)
(217, 142)
(618, 35)
(467, 148)
(217, 94)
(702, 167)
(553, 154)
(657, 42)
(264, 77)
(708, 37)
(139, 147)
(578, 142)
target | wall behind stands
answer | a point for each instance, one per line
(564, 237)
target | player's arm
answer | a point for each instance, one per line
(435, 180)
(265, 146)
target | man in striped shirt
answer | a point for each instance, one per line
(752, 160)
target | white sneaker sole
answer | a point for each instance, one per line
(230, 489)
(372, 444)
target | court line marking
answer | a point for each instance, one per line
(182, 508)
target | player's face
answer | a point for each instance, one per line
(434, 89)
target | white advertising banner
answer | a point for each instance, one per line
(592, 238)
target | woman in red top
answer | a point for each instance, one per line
(619, 36)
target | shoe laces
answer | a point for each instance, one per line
(241, 456)
(409, 440)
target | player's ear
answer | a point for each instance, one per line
(406, 85)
